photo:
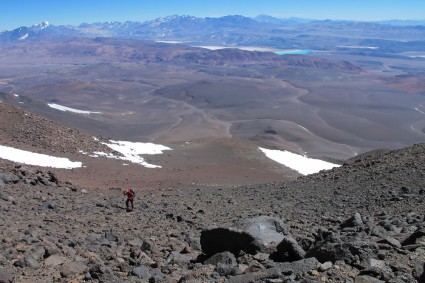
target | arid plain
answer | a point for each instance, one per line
(319, 105)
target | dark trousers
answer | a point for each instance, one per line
(129, 201)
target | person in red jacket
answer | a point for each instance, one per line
(130, 198)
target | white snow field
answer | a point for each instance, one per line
(37, 159)
(132, 151)
(299, 163)
(64, 108)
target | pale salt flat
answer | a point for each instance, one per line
(246, 48)
(64, 108)
(171, 41)
(358, 47)
(37, 159)
(299, 163)
(131, 151)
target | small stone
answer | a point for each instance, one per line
(111, 236)
(31, 262)
(390, 241)
(21, 247)
(353, 221)
(54, 260)
(325, 266)
(178, 259)
(367, 279)
(73, 268)
(135, 243)
(142, 272)
(225, 263)
(6, 275)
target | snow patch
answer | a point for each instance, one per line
(420, 111)
(25, 36)
(131, 151)
(64, 108)
(37, 159)
(299, 163)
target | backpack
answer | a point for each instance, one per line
(133, 192)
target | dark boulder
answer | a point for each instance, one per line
(225, 263)
(353, 221)
(289, 250)
(356, 252)
(259, 234)
(266, 230)
(418, 237)
(219, 240)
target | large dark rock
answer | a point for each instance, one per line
(289, 250)
(353, 221)
(418, 237)
(266, 230)
(253, 235)
(219, 240)
(225, 263)
(356, 252)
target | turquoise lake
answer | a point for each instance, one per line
(298, 52)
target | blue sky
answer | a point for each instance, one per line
(15, 13)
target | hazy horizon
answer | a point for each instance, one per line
(28, 12)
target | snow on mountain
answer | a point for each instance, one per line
(24, 36)
(41, 25)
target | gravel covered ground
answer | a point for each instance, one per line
(362, 222)
(219, 211)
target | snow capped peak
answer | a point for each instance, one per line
(173, 19)
(42, 25)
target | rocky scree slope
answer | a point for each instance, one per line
(362, 222)
(28, 131)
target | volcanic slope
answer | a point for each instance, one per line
(210, 162)
(362, 221)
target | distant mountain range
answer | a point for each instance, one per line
(266, 31)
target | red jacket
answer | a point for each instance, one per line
(129, 194)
